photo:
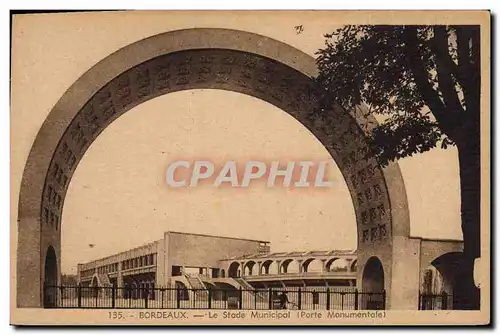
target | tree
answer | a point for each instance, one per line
(424, 83)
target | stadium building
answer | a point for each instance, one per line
(196, 261)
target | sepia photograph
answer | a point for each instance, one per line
(250, 168)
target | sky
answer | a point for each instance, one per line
(120, 183)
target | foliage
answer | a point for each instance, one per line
(423, 81)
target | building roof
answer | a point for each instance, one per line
(311, 253)
(206, 235)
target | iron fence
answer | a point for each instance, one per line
(183, 298)
(441, 301)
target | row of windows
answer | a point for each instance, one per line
(101, 270)
(87, 273)
(128, 264)
(139, 262)
(108, 268)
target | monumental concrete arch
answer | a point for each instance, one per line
(222, 59)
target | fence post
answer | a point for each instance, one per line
(209, 298)
(444, 298)
(299, 300)
(113, 295)
(63, 289)
(255, 292)
(241, 298)
(96, 296)
(79, 294)
(194, 298)
(178, 297)
(162, 290)
(327, 298)
(356, 299)
(270, 298)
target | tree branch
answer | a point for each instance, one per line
(421, 76)
(464, 66)
(445, 67)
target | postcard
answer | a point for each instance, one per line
(250, 168)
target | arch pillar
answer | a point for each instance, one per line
(323, 265)
(279, 266)
(401, 264)
(259, 264)
(29, 271)
(242, 269)
(300, 264)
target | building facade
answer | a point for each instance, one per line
(195, 261)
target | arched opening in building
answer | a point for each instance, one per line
(432, 281)
(312, 265)
(373, 282)
(250, 268)
(222, 273)
(266, 267)
(438, 281)
(354, 266)
(94, 282)
(373, 276)
(285, 265)
(234, 270)
(50, 280)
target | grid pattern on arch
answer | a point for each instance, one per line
(231, 70)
